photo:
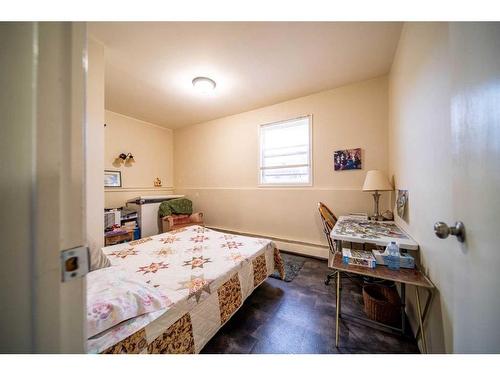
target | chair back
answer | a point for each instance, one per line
(328, 219)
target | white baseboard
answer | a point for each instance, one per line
(303, 249)
(292, 246)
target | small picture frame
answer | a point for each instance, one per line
(344, 160)
(401, 202)
(112, 179)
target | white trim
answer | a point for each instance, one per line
(138, 120)
(294, 187)
(290, 185)
(260, 184)
(293, 246)
(305, 249)
(121, 190)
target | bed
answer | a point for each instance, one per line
(202, 275)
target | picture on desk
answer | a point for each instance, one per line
(344, 160)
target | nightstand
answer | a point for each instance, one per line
(111, 238)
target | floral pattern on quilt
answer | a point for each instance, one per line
(140, 241)
(196, 262)
(235, 257)
(232, 245)
(278, 263)
(198, 229)
(170, 239)
(165, 262)
(228, 236)
(123, 253)
(153, 267)
(199, 238)
(163, 252)
(134, 344)
(259, 269)
(229, 297)
(196, 286)
(177, 339)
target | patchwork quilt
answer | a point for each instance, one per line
(205, 276)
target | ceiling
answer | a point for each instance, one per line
(150, 65)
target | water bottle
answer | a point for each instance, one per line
(392, 258)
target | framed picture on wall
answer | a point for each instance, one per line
(401, 202)
(112, 179)
(344, 160)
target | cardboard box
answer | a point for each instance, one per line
(358, 258)
(406, 261)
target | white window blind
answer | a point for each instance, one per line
(285, 152)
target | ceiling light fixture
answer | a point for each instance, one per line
(204, 84)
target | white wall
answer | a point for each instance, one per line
(420, 157)
(152, 148)
(217, 164)
(443, 141)
(94, 138)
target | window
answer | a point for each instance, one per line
(285, 152)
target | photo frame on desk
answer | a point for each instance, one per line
(112, 179)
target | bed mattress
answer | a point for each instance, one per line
(205, 274)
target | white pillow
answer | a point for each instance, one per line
(97, 259)
(115, 295)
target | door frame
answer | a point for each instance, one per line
(43, 111)
(60, 185)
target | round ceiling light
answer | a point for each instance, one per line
(204, 84)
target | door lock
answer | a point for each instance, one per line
(74, 263)
(442, 230)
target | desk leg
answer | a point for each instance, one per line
(337, 308)
(403, 308)
(338, 246)
(420, 321)
(425, 312)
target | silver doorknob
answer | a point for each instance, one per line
(442, 230)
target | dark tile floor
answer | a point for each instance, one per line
(299, 317)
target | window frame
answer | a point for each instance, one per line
(259, 150)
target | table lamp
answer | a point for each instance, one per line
(376, 181)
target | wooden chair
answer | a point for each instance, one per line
(328, 219)
(174, 221)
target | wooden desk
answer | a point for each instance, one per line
(379, 233)
(115, 238)
(402, 276)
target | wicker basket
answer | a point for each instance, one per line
(382, 304)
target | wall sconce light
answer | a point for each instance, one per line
(126, 159)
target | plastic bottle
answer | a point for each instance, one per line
(392, 258)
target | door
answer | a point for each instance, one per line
(43, 101)
(475, 140)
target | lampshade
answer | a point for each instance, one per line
(376, 180)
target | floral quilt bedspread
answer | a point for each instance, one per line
(205, 276)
